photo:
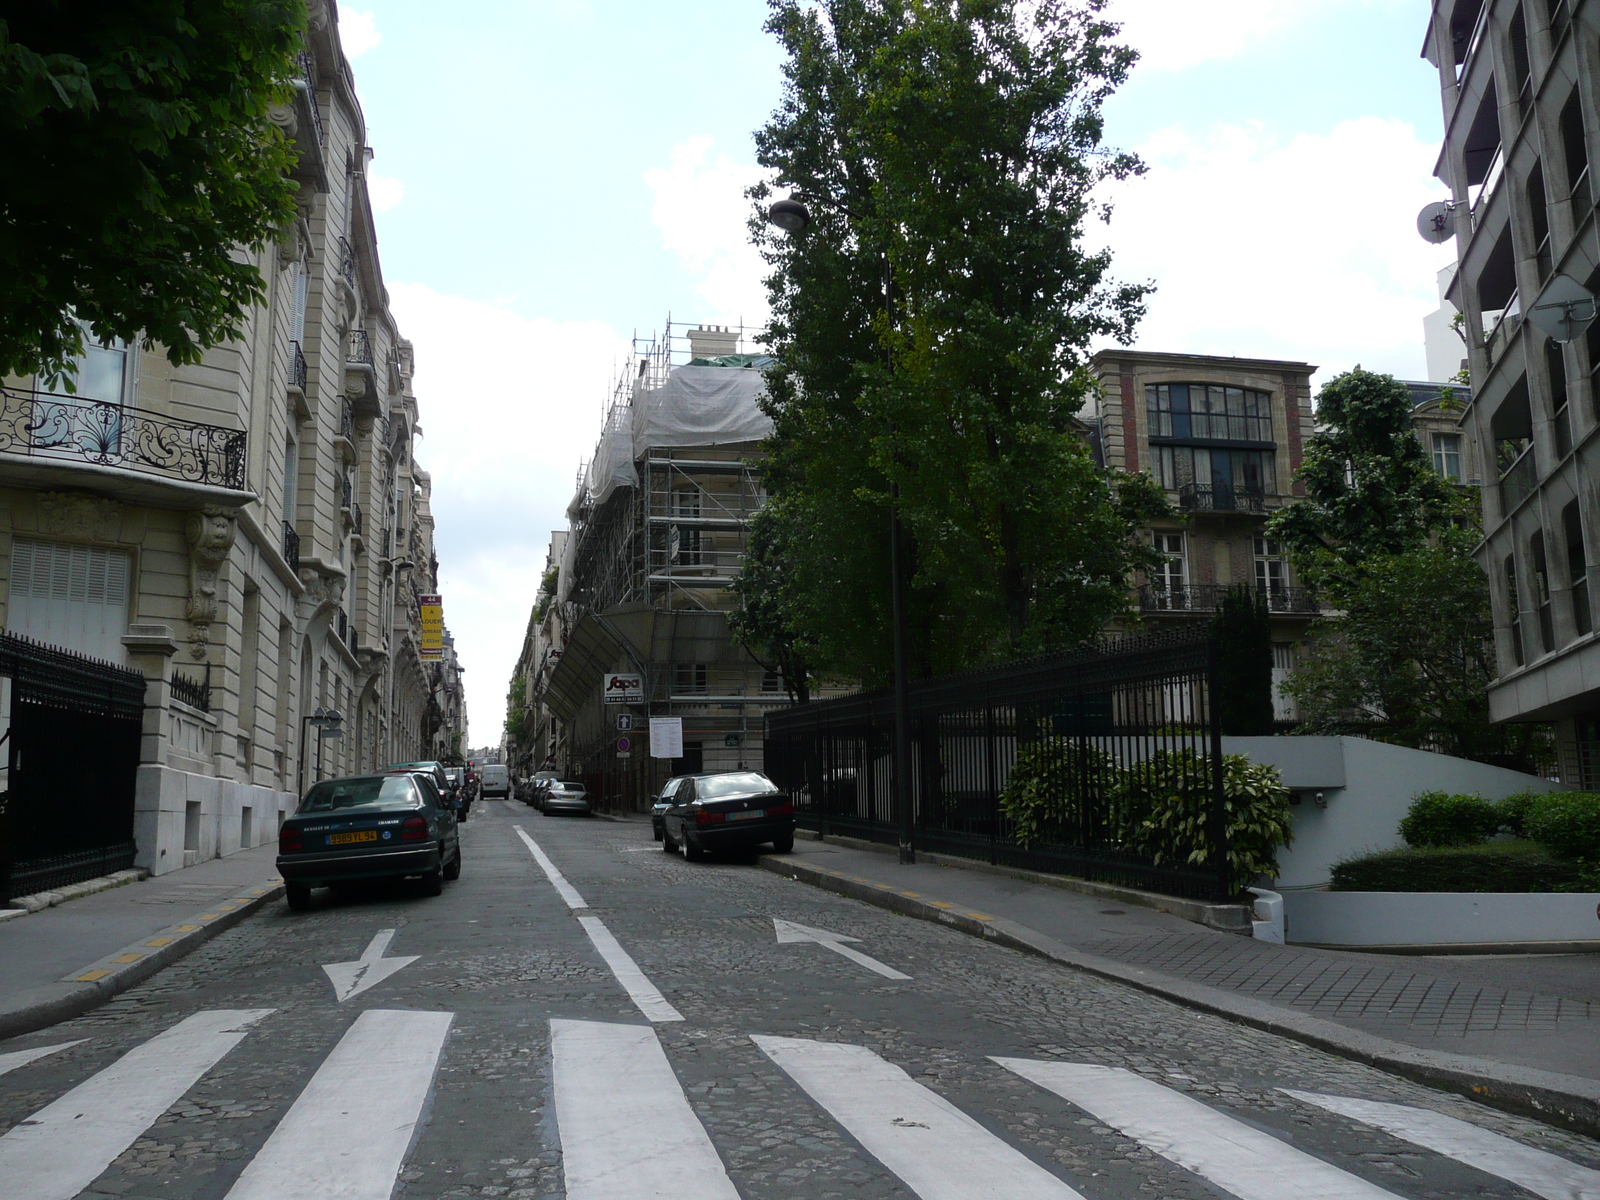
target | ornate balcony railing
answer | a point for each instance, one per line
(311, 97)
(344, 627)
(346, 493)
(347, 424)
(360, 348)
(291, 547)
(297, 368)
(347, 263)
(1199, 499)
(1207, 597)
(72, 428)
(355, 524)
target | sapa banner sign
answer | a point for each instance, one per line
(432, 643)
(623, 689)
(666, 737)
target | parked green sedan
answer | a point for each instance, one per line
(368, 827)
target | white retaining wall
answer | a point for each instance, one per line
(1365, 789)
(1440, 918)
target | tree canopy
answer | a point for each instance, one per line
(931, 328)
(138, 161)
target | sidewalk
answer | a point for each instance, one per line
(1520, 1030)
(82, 937)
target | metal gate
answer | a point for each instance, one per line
(1094, 733)
(72, 727)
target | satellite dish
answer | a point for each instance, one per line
(1437, 222)
(1564, 309)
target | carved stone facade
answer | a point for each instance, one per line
(278, 576)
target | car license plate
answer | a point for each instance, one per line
(748, 816)
(344, 839)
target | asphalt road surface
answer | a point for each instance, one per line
(585, 1015)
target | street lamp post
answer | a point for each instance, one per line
(792, 216)
(322, 719)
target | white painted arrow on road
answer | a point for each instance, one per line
(353, 978)
(790, 931)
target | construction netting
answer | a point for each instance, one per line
(691, 406)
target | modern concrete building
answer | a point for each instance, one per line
(1519, 82)
(236, 529)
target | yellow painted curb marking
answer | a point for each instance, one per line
(940, 904)
(209, 916)
(91, 976)
(979, 917)
(187, 928)
(127, 958)
(158, 941)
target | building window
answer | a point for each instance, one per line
(772, 681)
(74, 597)
(689, 679)
(1541, 592)
(1210, 469)
(1514, 602)
(1208, 411)
(1447, 455)
(1575, 150)
(1577, 568)
(1272, 567)
(683, 542)
(1556, 366)
(1172, 575)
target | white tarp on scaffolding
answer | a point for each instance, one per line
(694, 406)
(701, 406)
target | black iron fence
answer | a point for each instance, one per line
(1208, 597)
(72, 754)
(1077, 763)
(74, 428)
(1222, 499)
(196, 693)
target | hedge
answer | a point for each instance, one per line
(1505, 866)
(1442, 819)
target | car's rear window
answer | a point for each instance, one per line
(369, 792)
(738, 783)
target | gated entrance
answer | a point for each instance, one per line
(71, 733)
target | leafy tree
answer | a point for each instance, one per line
(931, 328)
(1370, 488)
(138, 160)
(766, 622)
(547, 592)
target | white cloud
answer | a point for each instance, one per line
(358, 31)
(508, 407)
(383, 191)
(701, 210)
(1173, 34)
(1305, 249)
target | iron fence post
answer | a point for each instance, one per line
(1219, 814)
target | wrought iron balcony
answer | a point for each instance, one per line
(1226, 499)
(71, 428)
(344, 627)
(356, 523)
(311, 95)
(1207, 597)
(291, 547)
(346, 493)
(347, 424)
(297, 368)
(359, 349)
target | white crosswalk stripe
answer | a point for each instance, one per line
(21, 1058)
(938, 1151)
(634, 981)
(627, 1131)
(1539, 1171)
(1250, 1164)
(346, 1136)
(65, 1146)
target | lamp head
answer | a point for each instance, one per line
(789, 215)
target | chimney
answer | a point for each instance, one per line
(712, 341)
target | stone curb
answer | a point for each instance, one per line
(1228, 918)
(91, 986)
(40, 901)
(1566, 1100)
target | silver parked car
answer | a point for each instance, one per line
(563, 796)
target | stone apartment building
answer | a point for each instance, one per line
(1520, 86)
(250, 532)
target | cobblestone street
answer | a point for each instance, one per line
(503, 1108)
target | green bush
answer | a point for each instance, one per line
(1442, 819)
(1568, 823)
(1044, 796)
(1506, 866)
(1514, 811)
(1168, 807)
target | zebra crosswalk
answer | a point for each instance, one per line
(629, 1131)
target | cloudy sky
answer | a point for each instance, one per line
(556, 175)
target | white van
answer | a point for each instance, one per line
(494, 780)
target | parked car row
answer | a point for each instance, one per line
(551, 795)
